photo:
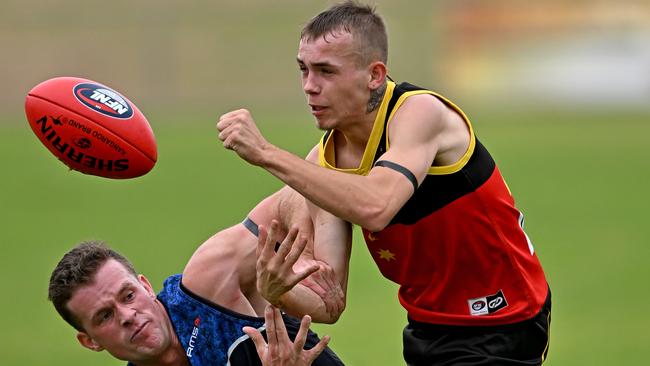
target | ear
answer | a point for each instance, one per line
(147, 286)
(378, 71)
(86, 341)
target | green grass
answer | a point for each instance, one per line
(579, 178)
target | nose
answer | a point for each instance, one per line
(310, 85)
(126, 315)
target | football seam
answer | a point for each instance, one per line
(92, 120)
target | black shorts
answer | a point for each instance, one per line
(523, 343)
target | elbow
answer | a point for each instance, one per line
(375, 218)
(330, 316)
(324, 319)
(334, 317)
(328, 320)
(375, 225)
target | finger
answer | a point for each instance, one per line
(228, 139)
(271, 334)
(297, 277)
(329, 275)
(232, 115)
(265, 250)
(318, 349)
(287, 244)
(222, 126)
(301, 337)
(314, 284)
(223, 123)
(296, 250)
(275, 232)
(223, 134)
(258, 340)
(280, 329)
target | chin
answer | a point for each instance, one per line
(325, 124)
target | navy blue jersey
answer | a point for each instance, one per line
(212, 335)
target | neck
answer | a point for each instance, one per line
(174, 356)
(376, 96)
(356, 135)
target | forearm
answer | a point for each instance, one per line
(365, 201)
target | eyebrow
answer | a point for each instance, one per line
(316, 64)
(125, 285)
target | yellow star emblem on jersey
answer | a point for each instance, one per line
(386, 254)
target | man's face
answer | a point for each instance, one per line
(333, 79)
(120, 314)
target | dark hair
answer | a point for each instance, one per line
(76, 269)
(365, 25)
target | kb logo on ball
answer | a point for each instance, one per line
(103, 100)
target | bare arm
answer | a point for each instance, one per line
(217, 271)
(322, 294)
(298, 283)
(223, 269)
(370, 201)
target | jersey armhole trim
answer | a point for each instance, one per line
(446, 169)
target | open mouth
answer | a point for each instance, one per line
(317, 108)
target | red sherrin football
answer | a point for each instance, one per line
(91, 128)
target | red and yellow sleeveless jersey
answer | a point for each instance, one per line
(457, 247)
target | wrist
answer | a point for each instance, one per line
(266, 152)
(282, 300)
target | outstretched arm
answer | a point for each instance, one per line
(418, 132)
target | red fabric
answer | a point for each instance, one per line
(470, 248)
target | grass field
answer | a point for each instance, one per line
(580, 178)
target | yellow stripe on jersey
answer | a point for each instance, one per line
(326, 153)
(447, 169)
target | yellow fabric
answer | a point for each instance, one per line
(447, 169)
(326, 152)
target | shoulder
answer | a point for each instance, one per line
(420, 114)
(425, 106)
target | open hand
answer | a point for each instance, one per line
(280, 351)
(275, 273)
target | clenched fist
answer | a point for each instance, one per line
(238, 132)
